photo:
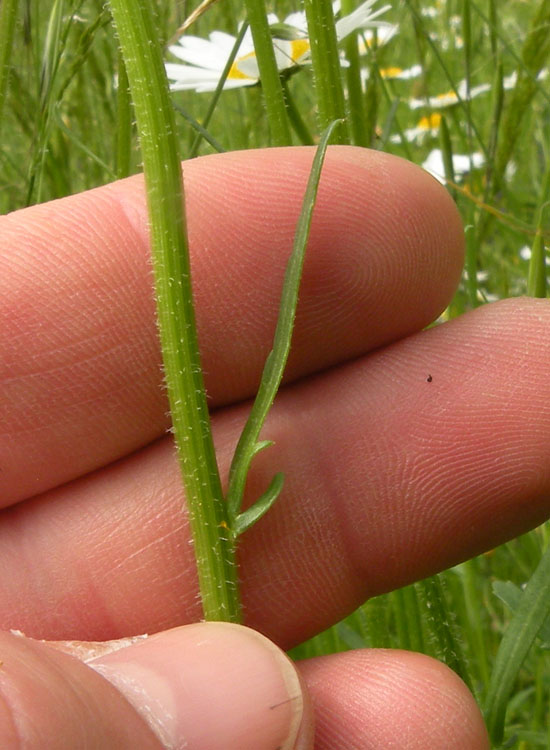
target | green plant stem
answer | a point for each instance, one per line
(473, 602)
(216, 565)
(408, 621)
(124, 122)
(537, 285)
(440, 626)
(296, 120)
(467, 34)
(217, 93)
(356, 98)
(53, 47)
(8, 14)
(536, 280)
(325, 61)
(447, 154)
(269, 75)
(471, 259)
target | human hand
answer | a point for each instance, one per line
(389, 477)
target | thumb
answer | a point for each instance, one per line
(206, 686)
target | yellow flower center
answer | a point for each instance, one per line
(298, 48)
(448, 96)
(390, 72)
(234, 71)
(431, 122)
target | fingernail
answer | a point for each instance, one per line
(211, 686)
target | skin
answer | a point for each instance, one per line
(390, 477)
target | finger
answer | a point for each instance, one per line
(81, 378)
(205, 687)
(389, 478)
(208, 686)
(49, 699)
(377, 700)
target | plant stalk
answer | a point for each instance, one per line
(216, 565)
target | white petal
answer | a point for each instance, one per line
(462, 163)
(298, 21)
(189, 76)
(290, 53)
(224, 41)
(360, 18)
(384, 32)
(434, 165)
(508, 82)
(409, 73)
(201, 52)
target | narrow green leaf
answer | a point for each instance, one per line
(8, 14)
(124, 122)
(82, 147)
(511, 595)
(201, 131)
(534, 55)
(217, 93)
(261, 445)
(440, 626)
(530, 615)
(51, 57)
(405, 604)
(52, 51)
(248, 518)
(276, 360)
(497, 92)
(371, 107)
(493, 28)
(286, 32)
(536, 282)
(296, 120)
(447, 153)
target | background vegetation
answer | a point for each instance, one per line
(65, 128)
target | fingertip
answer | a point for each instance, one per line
(380, 699)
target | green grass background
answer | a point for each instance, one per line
(62, 131)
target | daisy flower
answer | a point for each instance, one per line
(384, 32)
(462, 164)
(205, 59)
(400, 74)
(449, 98)
(428, 125)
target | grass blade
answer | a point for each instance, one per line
(440, 627)
(535, 53)
(8, 14)
(217, 93)
(361, 136)
(529, 617)
(536, 281)
(123, 134)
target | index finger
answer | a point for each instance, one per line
(81, 375)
